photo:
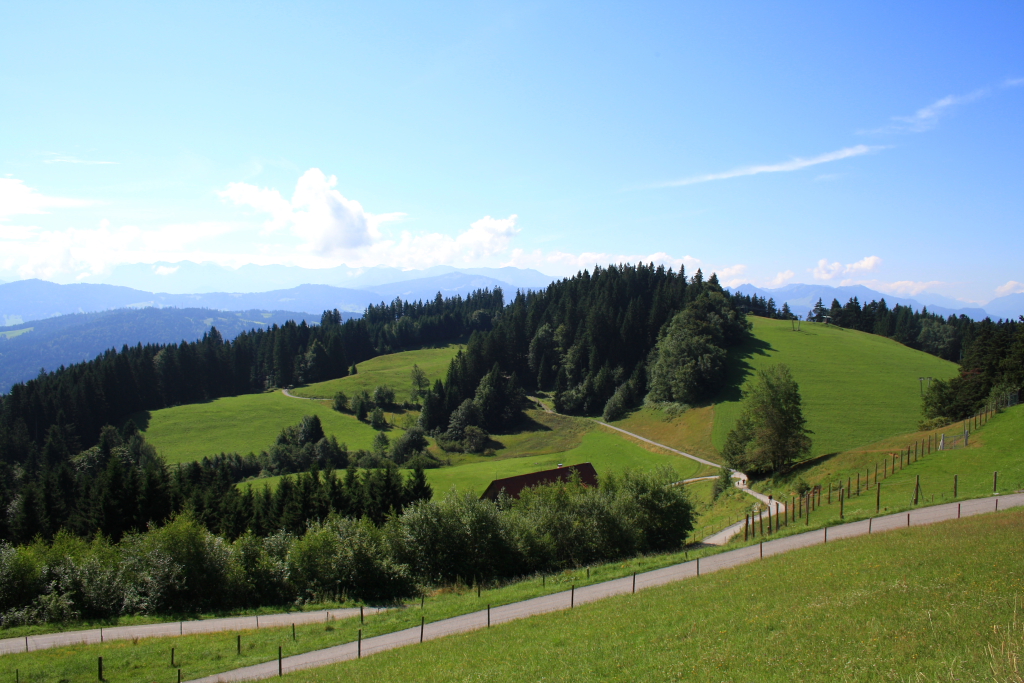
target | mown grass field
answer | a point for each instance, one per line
(916, 604)
(243, 424)
(393, 369)
(857, 388)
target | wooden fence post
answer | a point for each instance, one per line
(878, 497)
(423, 623)
(840, 504)
(917, 489)
(956, 482)
(995, 481)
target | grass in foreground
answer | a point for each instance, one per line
(857, 388)
(394, 369)
(244, 424)
(925, 603)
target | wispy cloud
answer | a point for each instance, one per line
(783, 167)
(899, 288)
(927, 118)
(17, 198)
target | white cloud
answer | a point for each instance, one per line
(866, 264)
(781, 278)
(791, 165)
(17, 198)
(328, 223)
(1011, 287)
(1012, 82)
(166, 270)
(826, 271)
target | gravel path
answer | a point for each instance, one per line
(592, 593)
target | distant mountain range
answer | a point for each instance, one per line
(66, 339)
(27, 300)
(802, 297)
(187, 277)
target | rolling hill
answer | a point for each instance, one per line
(857, 388)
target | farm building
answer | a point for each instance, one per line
(513, 486)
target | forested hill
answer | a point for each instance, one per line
(601, 341)
(67, 339)
(62, 411)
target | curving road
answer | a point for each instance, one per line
(567, 599)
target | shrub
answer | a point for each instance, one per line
(340, 402)
(377, 419)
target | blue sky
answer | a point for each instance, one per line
(875, 143)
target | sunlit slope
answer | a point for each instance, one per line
(857, 388)
(244, 424)
(394, 369)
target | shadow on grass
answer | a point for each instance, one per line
(739, 369)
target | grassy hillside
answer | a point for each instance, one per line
(915, 604)
(393, 369)
(996, 447)
(607, 451)
(690, 432)
(242, 424)
(857, 388)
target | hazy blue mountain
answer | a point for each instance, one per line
(27, 300)
(66, 339)
(802, 297)
(1008, 307)
(448, 285)
(187, 277)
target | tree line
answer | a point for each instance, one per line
(183, 567)
(600, 342)
(121, 486)
(80, 399)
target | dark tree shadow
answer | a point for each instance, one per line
(141, 420)
(738, 369)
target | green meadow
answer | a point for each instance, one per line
(857, 388)
(936, 603)
(606, 450)
(242, 424)
(393, 369)
(998, 446)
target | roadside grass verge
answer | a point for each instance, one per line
(939, 602)
(857, 388)
(713, 514)
(243, 424)
(393, 369)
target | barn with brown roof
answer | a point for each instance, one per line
(513, 486)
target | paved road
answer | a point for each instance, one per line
(658, 577)
(176, 628)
